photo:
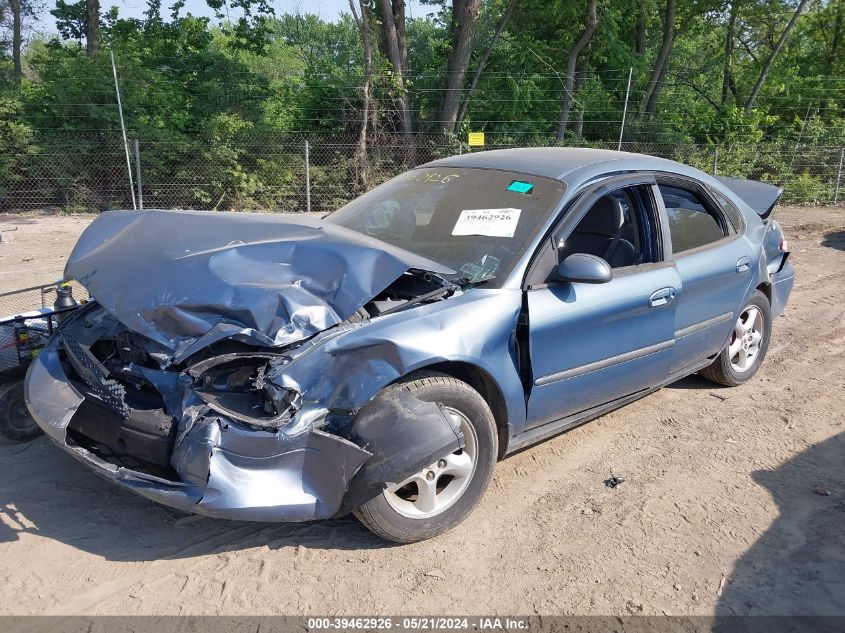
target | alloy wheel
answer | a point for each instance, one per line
(438, 486)
(746, 339)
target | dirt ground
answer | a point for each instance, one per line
(733, 501)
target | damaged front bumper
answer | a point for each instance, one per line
(225, 471)
(167, 435)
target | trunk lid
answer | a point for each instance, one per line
(760, 196)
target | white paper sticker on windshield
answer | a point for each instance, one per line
(489, 222)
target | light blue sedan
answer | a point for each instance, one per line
(381, 360)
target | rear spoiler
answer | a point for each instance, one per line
(760, 196)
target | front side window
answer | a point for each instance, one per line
(475, 221)
(619, 228)
(691, 223)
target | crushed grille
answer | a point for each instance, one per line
(110, 391)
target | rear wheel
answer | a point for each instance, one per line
(442, 494)
(746, 346)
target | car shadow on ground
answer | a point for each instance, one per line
(835, 239)
(797, 567)
(47, 493)
(694, 382)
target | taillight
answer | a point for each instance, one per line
(784, 246)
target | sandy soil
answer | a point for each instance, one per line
(733, 501)
(34, 247)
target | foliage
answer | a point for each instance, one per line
(15, 141)
(222, 106)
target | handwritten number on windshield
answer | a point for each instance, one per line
(432, 177)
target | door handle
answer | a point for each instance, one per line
(661, 297)
(743, 265)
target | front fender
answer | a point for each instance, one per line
(344, 371)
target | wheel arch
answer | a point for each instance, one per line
(763, 286)
(486, 386)
(766, 288)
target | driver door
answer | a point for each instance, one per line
(590, 344)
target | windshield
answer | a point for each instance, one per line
(475, 221)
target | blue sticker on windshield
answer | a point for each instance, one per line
(521, 187)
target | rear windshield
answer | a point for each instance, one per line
(475, 221)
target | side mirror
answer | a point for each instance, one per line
(585, 268)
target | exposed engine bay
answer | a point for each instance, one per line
(134, 392)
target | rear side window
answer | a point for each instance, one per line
(731, 212)
(691, 223)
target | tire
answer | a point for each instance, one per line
(393, 515)
(731, 374)
(16, 423)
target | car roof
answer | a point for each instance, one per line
(557, 162)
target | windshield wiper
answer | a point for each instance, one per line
(439, 293)
(467, 282)
(446, 289)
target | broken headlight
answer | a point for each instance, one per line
(236, 387)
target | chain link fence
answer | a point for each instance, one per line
(294, 172)
(14, 303)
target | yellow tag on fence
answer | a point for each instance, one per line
(475, 139)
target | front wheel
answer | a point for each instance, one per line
(746, 347)
(442, 494)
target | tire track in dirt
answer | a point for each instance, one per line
(173, 562)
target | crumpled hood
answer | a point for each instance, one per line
(186, 279)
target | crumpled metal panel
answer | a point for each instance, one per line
(260, 476)
(263, 279)
(227, 470)
(308, 482)
(48, 394)
(404, 435)
(344, 368)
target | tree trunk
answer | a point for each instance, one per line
(462, 32)
(361, 149)
(393, 23)
(642, 22)
(92, 26)
(727, 75)
(483, 62)
(578, 123)
(661, 63)
(651, 104)
(584, 39)
(399, 20)
(15, 6)
(835, 40)
(768, 64)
